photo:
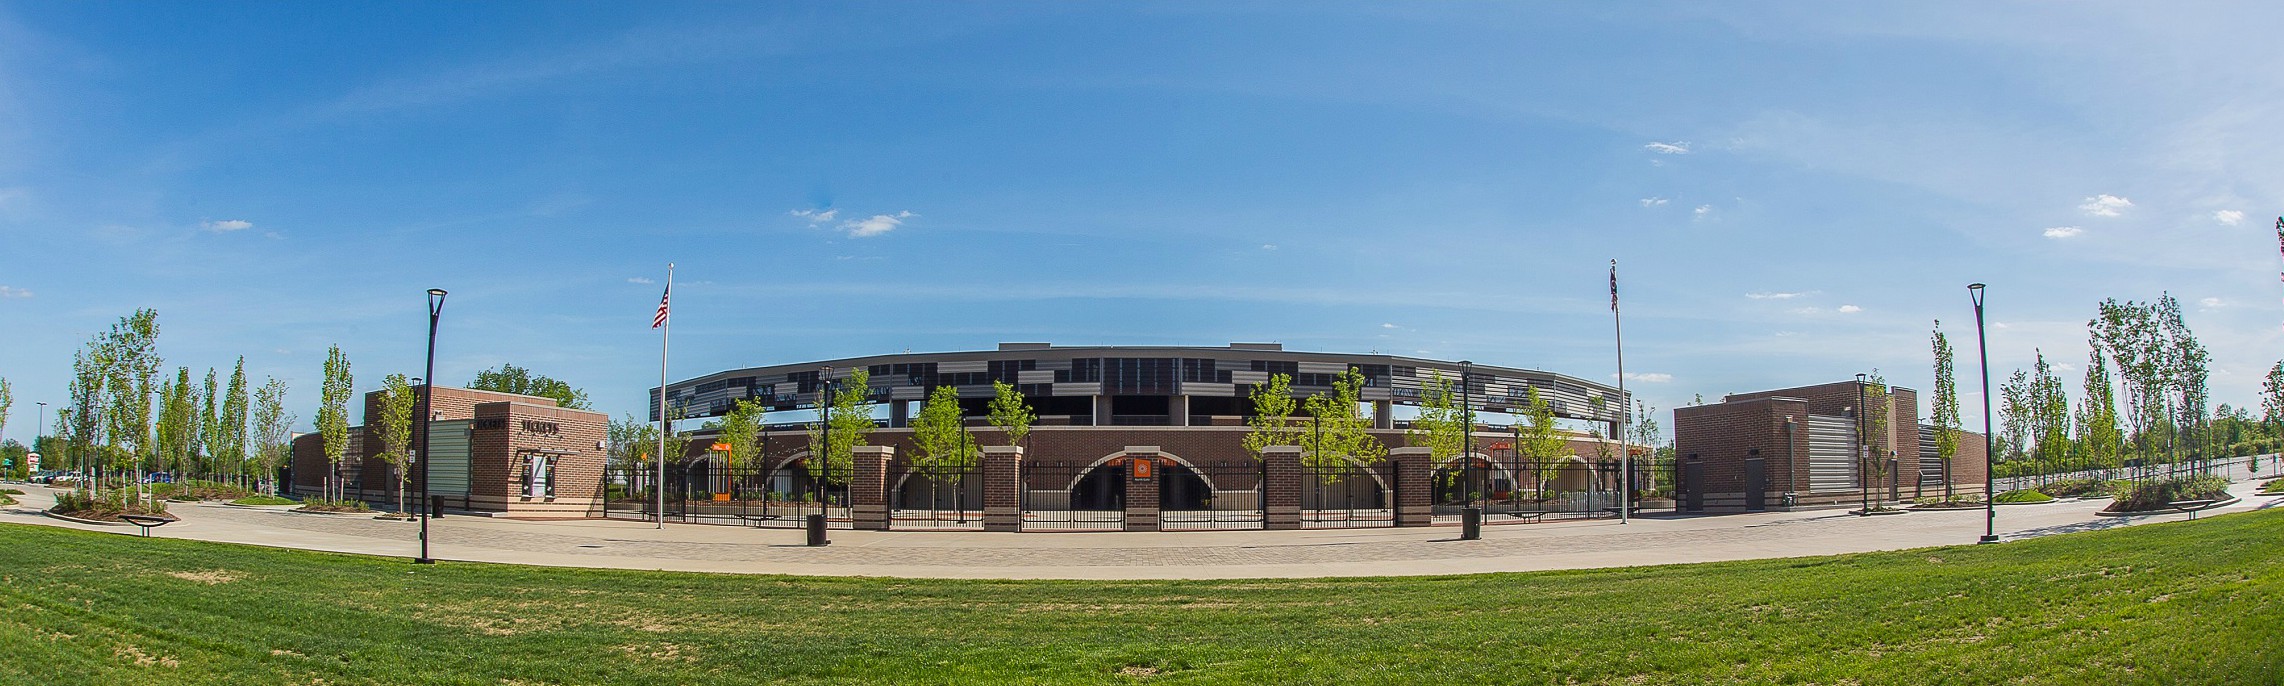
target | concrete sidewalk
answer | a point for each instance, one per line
(619, 544)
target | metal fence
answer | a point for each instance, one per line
(1211, 496)
(937, 496)
(702, 492)
(1073, 496)
(1348, 495)
(1514, 489)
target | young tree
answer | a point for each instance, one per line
(1650, 438)
(1540, 441)
(2127, 333)
(82, 417)
(1946, 410)
(941, 433)
(209, 424)
(7, 398)
(2049, 417)
(741, 430)
(226, 439)
(2272, 402)
(1010, 413)
(2099, 441)
(333, 419)
(1877, 415)
(2186, 374)
(1272, 419)
(852, 421)
(130, 353)
(1442, 424)
(394, 429)
(513, 379)
(2013, 439)
(1342, 432)
(273, 431)
(177, 422)
(631, 441)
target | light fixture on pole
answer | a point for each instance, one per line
(1863, 451)
(38, 425)
(1470, 516)
(427, 386)
(1983, 351)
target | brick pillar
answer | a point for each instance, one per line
(1142, 494)
(1415, 477)
(1281, 493)
(1002, 488)
(868, 487)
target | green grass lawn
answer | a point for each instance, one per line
(2180, 603)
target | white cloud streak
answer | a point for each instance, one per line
(2105, 205)
(7, 292)
(227, 225)
(640, 280)
(2229, 217)
(816, 216)
(1774, 296)
(1654, 202)
(2061, 232)
(1678, 148)
(1850, 309)
(876, 224)
(1647, 377)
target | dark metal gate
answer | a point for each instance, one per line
(1211, 496)
(702, 492)
(1347, 494)
(1693, 486)
(935, 496)
(1074, 496)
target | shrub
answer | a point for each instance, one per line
(322, 505)
(2076, 488)
(2272, 487)
(1952, 500)
(2158, 494)
(263, 500)
(107, 505)
(10, 491)
(2023, 496)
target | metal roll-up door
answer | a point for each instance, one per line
(448, 458)
(1831, 454)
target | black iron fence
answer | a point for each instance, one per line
(1512, 488)
(1345, 495)
(935, 496)
(703, 492)
(1211, 496)
(1073, 496)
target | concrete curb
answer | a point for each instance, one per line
(76, 520)
(2216, 505)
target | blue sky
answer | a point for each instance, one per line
(1793, 192)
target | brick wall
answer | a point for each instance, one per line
(1142, 494)
(506, 433)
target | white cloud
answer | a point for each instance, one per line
(227, 225)
(639, 279)
(2060, 232)
(1702, 211)
(2210, 303)
(7, 292)
(1268, 246)
(2229, 217)
(1773, 296)
(816, 216)
(1680, 148)
(1387, 326)
(2105, 205)
(273, 235)
(1654, 202)
(1647, 377)
(1850, 309)
(876, 224)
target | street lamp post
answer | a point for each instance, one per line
(1863, 451)
(1983, 351)
(427, 390)
(1471, 517)
(38, 425)
(821, 460)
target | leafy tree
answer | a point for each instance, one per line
(131, 362)
(1010, 413)
(399, 401)
(1877, 410)
(2128, 334)
(1442, 425)
(2186, 373)
(2049, 416)
(2013, 440)
(1651, 438)
(178, 423)
(1272, 418)
(513, 379)
(2272, 399)
(631, 441)
(1946, 410)
(741, 430)
(941, 433)
(82, 418)
(209, 424)
(1540, 441)
(333, 419)
(273, 431)
(852, 407)
(677, 441)
(7, 398)
(1342, 432)
(226, 438)
(2099, 440)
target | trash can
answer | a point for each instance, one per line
(1471, 523)
(816, 527)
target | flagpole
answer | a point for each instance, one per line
(665, 334)
(1625, 409)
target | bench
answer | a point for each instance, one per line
(758, 520)
(2190, 506)
(1533, 515)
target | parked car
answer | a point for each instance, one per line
(158, 478)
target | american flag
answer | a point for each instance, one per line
(1614, 284)
(660, 320)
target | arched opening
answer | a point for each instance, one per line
(1573, 476)
(1181, 488)
(1492, 481)
(1103, 487)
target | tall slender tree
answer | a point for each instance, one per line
(1878, 414)
(226, 440)
(851, 423)
(209, 426)
(2012, 444)
(941, 433)
(333, 419)
(2127, 333)
(2272, 399)
(2100, 442)
(2186, 375)
(273, 432)
(131, 363)
(741, 431)
(177, 438)
(1010, 413)
(2049, 409)
(1946, 411)
(1441, 426)
(394, 429)
(1540, 441)
(7, 399)
(1342, 433)
(1272, 418)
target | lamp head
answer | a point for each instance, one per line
(437, 292)
(1974, 286)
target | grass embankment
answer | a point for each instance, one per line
(2182, 603)
(264, 500)
(2022, 497)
